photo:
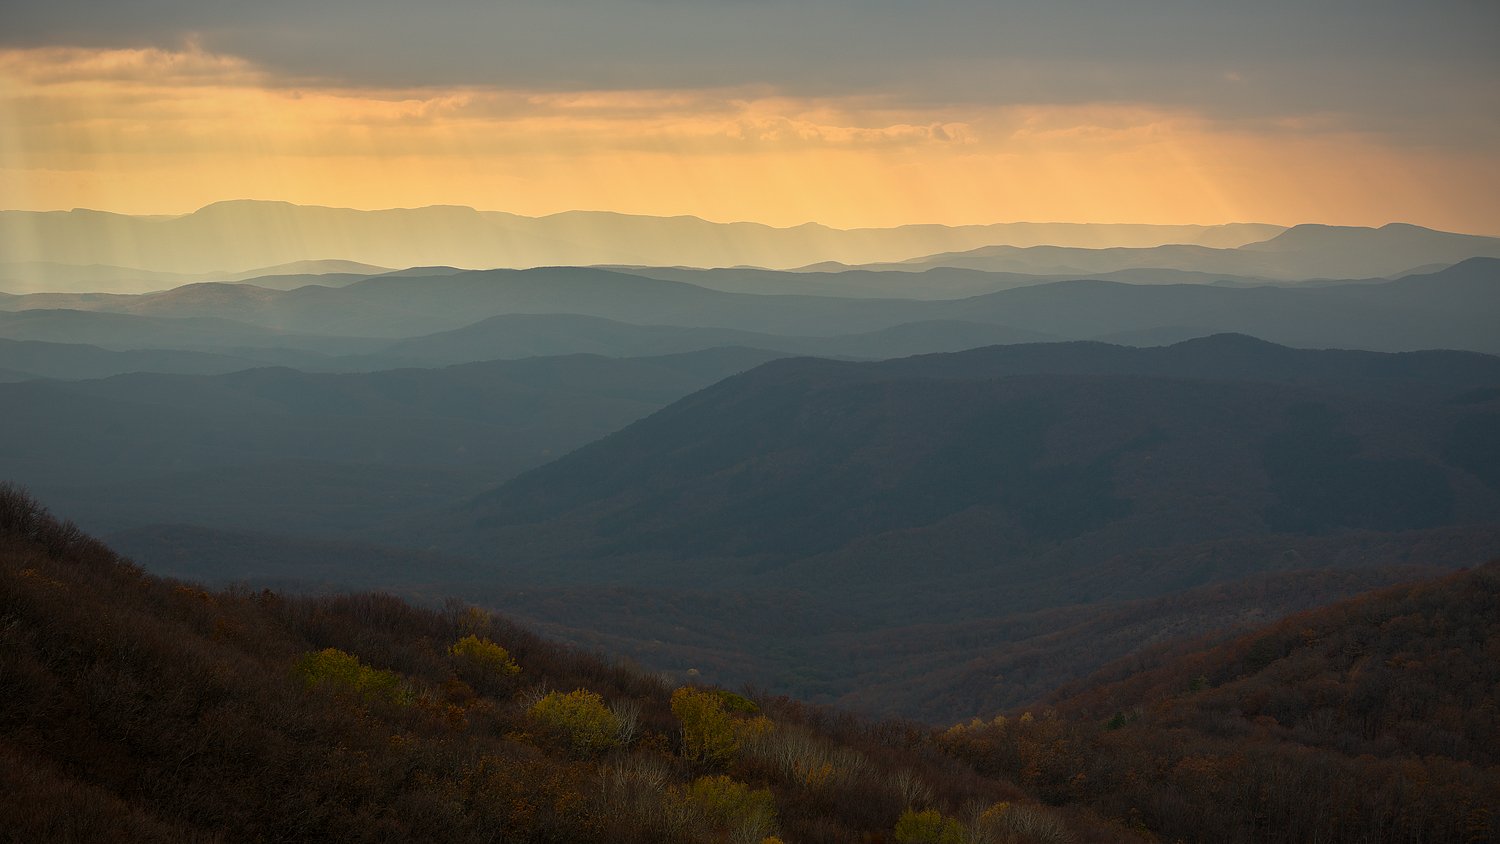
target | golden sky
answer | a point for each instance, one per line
(167, 130)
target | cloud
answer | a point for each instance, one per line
(1381, 64)
(153, 100)
(184, 67)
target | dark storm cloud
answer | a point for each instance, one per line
(1382, 64)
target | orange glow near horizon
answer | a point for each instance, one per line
(152, 131)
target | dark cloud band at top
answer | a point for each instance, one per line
(1385, 63)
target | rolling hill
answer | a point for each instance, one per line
(321, 453)
(26, 359)
(199, 345)
(1015, 448)
(21, 277)
(895, 283)
(131, 332)
(934, 493)
(525, 335)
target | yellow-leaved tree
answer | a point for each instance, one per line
(340, 671)
(581, 716)
(708, 733)
(484, 656)
(929, 827)
(734, 809)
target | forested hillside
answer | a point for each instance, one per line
(144, 709)
(1374, 719)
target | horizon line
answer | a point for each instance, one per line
(699, 218)
(679, 216)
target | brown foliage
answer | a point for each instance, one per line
(1370, 720)
(146, 709)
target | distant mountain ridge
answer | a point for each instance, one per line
(758, 414)
(21, 277)
(241, 235)
(1004, 508)
(1301, 252)
(892, 282)
(524, 335)
(25, 359)
(1016, 449)
(1455, 307)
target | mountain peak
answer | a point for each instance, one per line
(248, 204)
(1228, 340)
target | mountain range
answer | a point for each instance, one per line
(230, 237)
(1455, 307)
(1011, 500)
(1007, 452)
(19, 277)
(321, 454)
(89, 251)
(834, 497)
(633, 458)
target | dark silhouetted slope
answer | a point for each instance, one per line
(1005, 451)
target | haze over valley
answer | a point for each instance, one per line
(749, 423)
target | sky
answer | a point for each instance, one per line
(845, 112)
